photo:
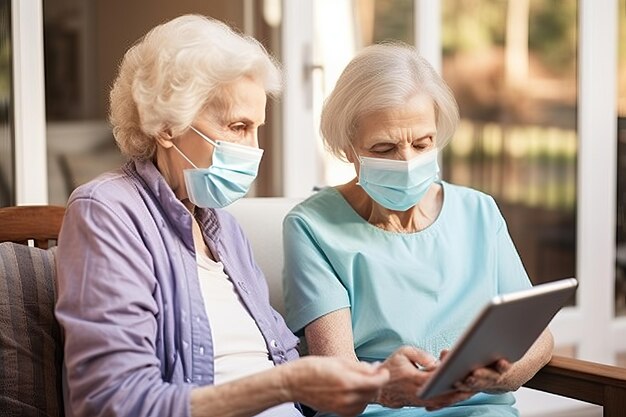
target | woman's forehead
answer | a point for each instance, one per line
(244, 98)
(418, 114)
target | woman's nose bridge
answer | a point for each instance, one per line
(255, 138)
(406, 151)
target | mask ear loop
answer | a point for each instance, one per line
(356, 153)
(205, 137)
(184, 156)
(360, 162)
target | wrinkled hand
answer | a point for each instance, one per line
(406, 380)
(337, 385)
(488, 379)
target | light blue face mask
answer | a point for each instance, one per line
(233, 169)
(398, 185)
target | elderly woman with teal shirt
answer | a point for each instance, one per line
(392, 266)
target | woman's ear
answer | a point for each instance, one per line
(164, 139)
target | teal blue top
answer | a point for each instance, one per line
(421, 289)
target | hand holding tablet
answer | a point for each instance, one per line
(505, 329)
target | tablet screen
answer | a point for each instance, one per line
(506, 328)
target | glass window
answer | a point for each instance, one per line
(512, 67)
(355, 24)
(7, 182)
(82, 54)
(381, 20)
(620, 273)
(77, 72)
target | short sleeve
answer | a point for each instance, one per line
(511, 274)
(311, 285)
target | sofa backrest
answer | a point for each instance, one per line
(262, 221)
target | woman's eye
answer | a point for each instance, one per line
(423, 143)
(382, 149)
(238, 127)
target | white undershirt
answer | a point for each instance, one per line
(239, 348)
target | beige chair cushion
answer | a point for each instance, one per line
(261, 219)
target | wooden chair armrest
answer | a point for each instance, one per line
(591, 382)
(39, 223)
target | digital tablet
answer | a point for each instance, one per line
(506, 328)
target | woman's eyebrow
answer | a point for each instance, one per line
(426, 135)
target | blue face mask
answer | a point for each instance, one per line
(229, 177)
(398, 185)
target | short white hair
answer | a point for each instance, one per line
(169, 76)
(380, 77)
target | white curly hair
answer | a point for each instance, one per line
(168, 77)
